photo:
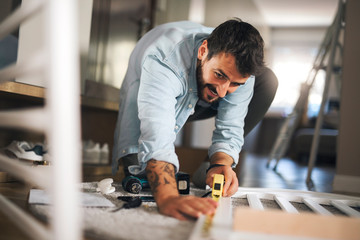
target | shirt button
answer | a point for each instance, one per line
(123, 151)
(190, 89)
(176, 127)
(190, 105)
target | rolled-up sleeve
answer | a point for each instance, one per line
(228, 136)
(159, 87)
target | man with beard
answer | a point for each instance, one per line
(182, 72)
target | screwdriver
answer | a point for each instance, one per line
(133, 202)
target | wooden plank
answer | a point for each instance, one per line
(295, 226)
(222, 222)
(218, 226)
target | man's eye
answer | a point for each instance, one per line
(235, 84)
(219, 75)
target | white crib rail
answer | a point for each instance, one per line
(59, 120)
(286, 201)
(313, 200)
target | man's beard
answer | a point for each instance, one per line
(201, 85)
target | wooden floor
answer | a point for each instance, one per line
(289, 175)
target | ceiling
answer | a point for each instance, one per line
(297, 13)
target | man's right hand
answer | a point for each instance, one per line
(161, 176)
(187, 207)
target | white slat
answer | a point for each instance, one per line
(34, 119)
(63, 102)
(18, 16)
(222, 221)
(316, 207)
(285, 205)
(39, 176)
(254, 201)
(30, 66)
(24, 221)
(345, 208)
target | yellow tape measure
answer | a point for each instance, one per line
(217, 188)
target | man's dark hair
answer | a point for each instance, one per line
(241, 40)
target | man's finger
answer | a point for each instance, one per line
(233, 188)
(226, 187)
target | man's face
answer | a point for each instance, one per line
(218, 76)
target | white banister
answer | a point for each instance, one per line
(34, 119)
(63, 103)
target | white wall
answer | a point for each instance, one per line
(347, 178)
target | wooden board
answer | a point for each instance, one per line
(306, 225)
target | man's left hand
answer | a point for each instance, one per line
(231, 181)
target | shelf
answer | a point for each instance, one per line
(25, 90)
(99, 103)
(22, 89)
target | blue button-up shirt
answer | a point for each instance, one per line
(159, 93)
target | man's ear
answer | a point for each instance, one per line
(203, 50)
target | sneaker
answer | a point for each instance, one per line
(24, 151)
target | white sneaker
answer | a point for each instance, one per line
(23, 150)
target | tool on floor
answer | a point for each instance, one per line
(134, 184)
(143, 198)
(132, 202)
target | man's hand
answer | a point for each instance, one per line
(231, 181)
(161, 176)
(187, 207)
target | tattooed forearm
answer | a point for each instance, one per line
(159, 174)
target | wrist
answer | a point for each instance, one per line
(221, 159)
(214, 165)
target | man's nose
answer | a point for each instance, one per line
(223, 88)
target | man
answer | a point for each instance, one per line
(184, 71)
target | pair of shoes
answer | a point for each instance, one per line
(26, 151)
(94, 154)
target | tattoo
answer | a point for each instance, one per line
(160, 173)
(169, 169)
